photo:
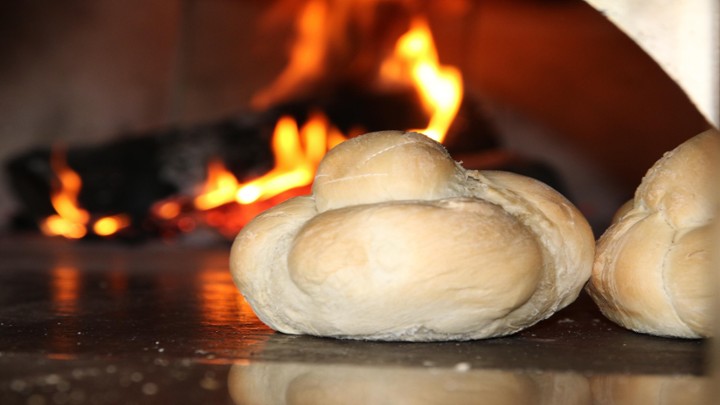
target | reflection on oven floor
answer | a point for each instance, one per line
(108, 323)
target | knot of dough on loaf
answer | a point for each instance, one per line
(652, 271)
(378, 266)
(386, 166)
(681, 184)
(400, 242)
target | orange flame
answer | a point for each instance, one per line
(307, 55)
(440, 87)
(297, 155)
(219, 189)
(297, 152)
(70, 220)
(110, 225)
(414, 61)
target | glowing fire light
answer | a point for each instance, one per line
(110, 225)
(306, 56)
(70, 220)
(167, 209)
(297, 152)
(414, 59)
(291, 166)
(220, 187)
(294, 165)
(440, 87)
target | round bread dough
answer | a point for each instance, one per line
(652, 271)
(400, 242)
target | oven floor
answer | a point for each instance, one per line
(108, 323)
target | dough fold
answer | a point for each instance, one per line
(652, 271)
(400, 242)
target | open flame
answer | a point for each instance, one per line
(224, 202)
(71, 220)
(307, 55)
(440, 87)
(220, 188)
(320, 26)
(297, 152)
(110, 225)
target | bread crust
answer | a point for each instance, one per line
(652, 272)
(400, 242)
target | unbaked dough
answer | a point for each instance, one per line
(652, 273)
(399, 242)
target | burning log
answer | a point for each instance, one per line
(175, 217)
(220, 175)
(129, 175)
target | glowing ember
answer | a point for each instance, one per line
(110, 225)
(55, 225)
(440, 87)
(167, 209)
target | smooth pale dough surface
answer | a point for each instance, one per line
(400, 242)
(652, 272)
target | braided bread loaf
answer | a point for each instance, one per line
(400, 242)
